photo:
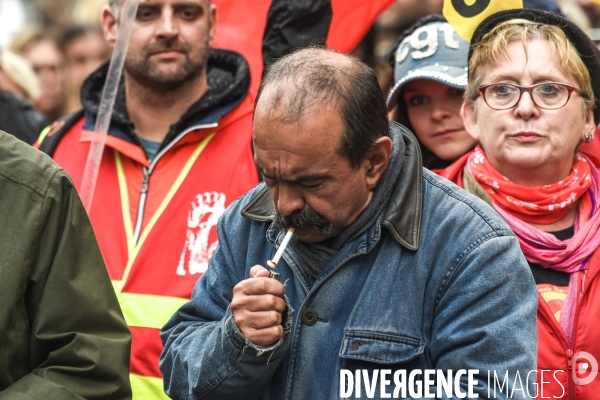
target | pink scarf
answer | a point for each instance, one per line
(570, 255)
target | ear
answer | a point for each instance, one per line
(109, 26)
(212, 21)
(467, 113)
(590, 126)
(377, 160)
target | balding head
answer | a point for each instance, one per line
(314, 77)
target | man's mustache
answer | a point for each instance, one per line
(304, 219)
(167, 45)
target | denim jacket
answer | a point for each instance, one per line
(439, 283)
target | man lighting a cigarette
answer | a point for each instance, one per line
(390, 267)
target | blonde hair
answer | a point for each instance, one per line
(494, 43)
(20, 72)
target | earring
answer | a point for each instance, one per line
(589, 137)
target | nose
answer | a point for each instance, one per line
(167, 28)
(526, 108)
(288, 200)
(440, 111)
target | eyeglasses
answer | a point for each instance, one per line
(547, 95)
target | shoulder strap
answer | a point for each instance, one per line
(471, 186)
(52, 135)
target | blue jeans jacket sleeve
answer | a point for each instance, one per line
(202, 339)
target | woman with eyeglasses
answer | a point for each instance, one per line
(531, 101)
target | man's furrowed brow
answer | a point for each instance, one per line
(303, 178)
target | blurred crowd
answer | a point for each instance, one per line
(55, 46)
(48, 47)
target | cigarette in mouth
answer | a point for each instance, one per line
(273, 263)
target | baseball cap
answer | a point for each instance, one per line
(430, 49)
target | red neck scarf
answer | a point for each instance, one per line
(540, 204)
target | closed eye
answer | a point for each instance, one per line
(310, 185)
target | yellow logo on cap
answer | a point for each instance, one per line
(466, 15)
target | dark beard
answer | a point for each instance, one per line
(304, 219)
(149, 74)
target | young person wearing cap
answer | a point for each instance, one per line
(531, 101)
(430, 76)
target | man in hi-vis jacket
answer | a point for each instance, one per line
(178, 152)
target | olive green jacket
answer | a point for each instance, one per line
(62, 334)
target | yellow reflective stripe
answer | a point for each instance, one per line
(147, 388)
(182, 175)
(125, 204)
(43, 134)
(118, 286)
(148, 311)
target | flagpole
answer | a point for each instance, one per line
(107, 101)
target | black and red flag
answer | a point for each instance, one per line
(264, 30)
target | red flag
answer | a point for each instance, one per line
(351, 21)
(241, 27)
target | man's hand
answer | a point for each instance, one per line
(257, 305)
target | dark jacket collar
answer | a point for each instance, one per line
(403, 214)
(228, 78)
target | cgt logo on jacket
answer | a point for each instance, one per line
(203, 216)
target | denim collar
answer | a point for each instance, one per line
(403, 214)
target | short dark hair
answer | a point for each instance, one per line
(321, 75)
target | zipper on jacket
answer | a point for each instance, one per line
(572, 366)
(570, 372)
(148, 172)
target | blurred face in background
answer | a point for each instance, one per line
(433, 110)
(84, 55)
(49, 66)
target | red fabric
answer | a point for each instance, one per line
(241, 26)
(454, 172)
(541, 204)
(351, 21)
(554, 351)
(144, 342)
(184, 235)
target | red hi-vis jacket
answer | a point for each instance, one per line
(564, 368)
(156, 221)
